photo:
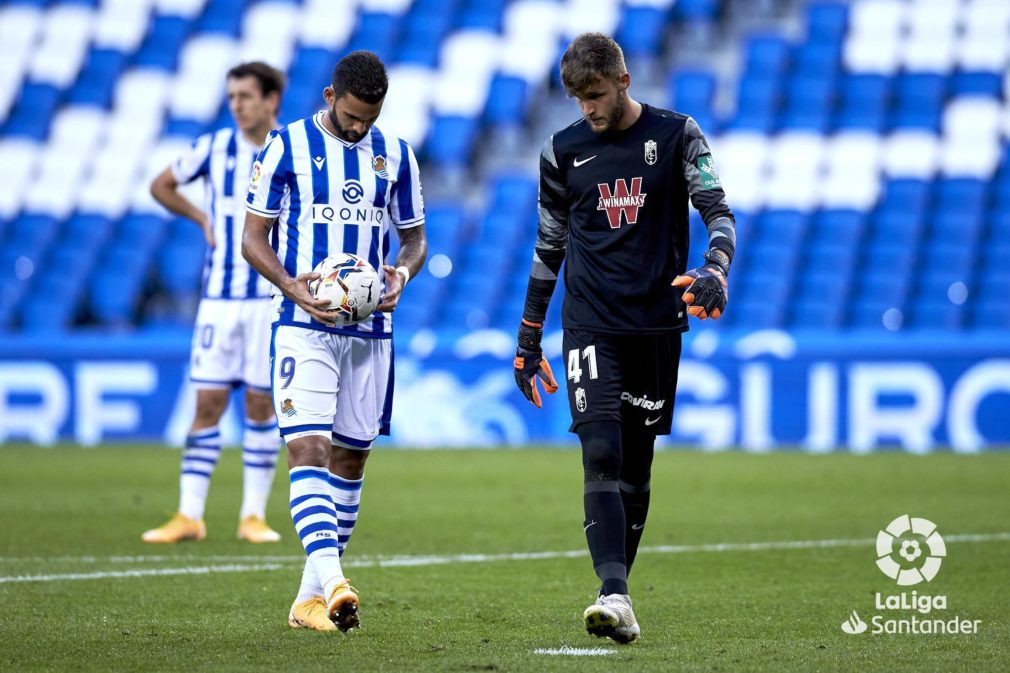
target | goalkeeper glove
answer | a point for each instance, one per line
(530, 363)
(706, 294)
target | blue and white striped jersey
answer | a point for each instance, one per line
(224, 160)
(331, 196)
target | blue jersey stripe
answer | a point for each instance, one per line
(252, 283)
(320, 194)
(228, 191)
(379, 320)
(295, 209)
(379, 154)
(404, 185)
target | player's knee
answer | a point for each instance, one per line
(636, 464)
(210, 406)
(601, 450)
(310, 451)
(348, 463)
(259, 406)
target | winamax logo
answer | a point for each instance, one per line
(910, 551)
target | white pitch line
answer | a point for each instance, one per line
(276, 562)
(153, 572)
(568, 651)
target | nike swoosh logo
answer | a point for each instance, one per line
(591, 523)
(319, 161)
(652, 421)
(578, 163)
(637, 526)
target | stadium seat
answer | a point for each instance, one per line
(641, 31)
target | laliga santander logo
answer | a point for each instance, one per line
(910, 550)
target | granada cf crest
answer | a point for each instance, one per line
(580, 399)
(621, 203)
(650, 152)
(379, 166)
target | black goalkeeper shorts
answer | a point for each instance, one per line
(629, 378)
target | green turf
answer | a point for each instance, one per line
(71, 510)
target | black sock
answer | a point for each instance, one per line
(636, 510)
(638, 448)
(604, 524)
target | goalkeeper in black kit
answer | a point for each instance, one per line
(613, 206)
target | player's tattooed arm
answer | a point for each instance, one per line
(258, 252)
(409, 262)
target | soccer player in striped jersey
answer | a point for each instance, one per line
(231, 341)
(327, 184)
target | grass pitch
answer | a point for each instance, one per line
(460, 558)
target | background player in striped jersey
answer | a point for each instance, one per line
(231, 341)
(613, 206)
(327, 184)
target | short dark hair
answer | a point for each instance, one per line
(588, 57)
(270, 78)
(361, 74)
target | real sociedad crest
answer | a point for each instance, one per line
(379, 166)
(650, 152)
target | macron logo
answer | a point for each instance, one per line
(319, 161)
(621, 201)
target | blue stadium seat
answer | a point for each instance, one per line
(906, 196)
(829, 256)
(868, 314)
(513, 193)
(882, 285)
(757, 103)
(87, 232)
(114, 290)
(864, 102)
(808, 103)
(950, 227)
(184, 128)
(778, 256)
(696, 10)
(310, 66)
(817, 59)
(692, 91)
(994, 285)
(376, 32)
(766, 55)
(222, 16)
(816, 313)
(996, 257)
(755, 314)
(826, 22)
(451, 140)
(640, 32)
(33, 112)
(896, 228)
(919, 101)
(781, 226)
(161, 46)
(885, 256)
(33, 232)
(506, 101)
(978, 84)
(443, 225)
(841, 227)
(936, 315)
(180, 267)
(481, 15)
(98, 78)
(423, 30)
(992, 314)
(954, 261)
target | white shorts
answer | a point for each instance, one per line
(333, 385)
(231, 344)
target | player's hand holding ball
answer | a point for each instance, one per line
(530, 363)
(297, 290)
(707, 292)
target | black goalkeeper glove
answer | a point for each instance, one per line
(530, 363)
(707, 292)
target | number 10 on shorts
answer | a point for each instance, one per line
(574, 368)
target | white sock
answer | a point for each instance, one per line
(199, 458)
(315, 521)
(346, 495)
(311, 587)
(260, 445)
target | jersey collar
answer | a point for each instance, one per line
(316, 119)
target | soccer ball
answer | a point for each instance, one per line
(350, 284)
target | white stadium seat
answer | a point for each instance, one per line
(198, 89)
(911, 154)
(741, 160)
(78, 129)
(20, 159)
(582, 16)
(142, 91)
(468, 61)
(121, 24)
(973, 119)
(61, 53)
(160, 156)
(794, 170)
(405, 112)
(397, 7)
(189, 9)
(326, 24)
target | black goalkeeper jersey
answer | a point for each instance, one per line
(614, 207)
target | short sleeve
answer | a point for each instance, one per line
(195, 163)
(269, 181)
(406, 207)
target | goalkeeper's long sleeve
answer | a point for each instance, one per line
(552, 237)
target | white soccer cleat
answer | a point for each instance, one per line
(611, 617)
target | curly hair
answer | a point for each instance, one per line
(361, 74)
